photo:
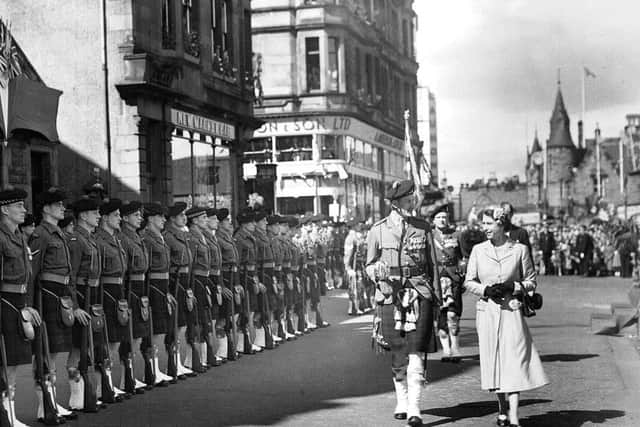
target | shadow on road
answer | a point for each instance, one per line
(574, 418)
(473, 410)
(566, 357)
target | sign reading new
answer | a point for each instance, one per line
(201, 124)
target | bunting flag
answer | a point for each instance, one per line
(589, 73)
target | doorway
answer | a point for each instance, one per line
(40, 174)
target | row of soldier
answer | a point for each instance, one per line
(133, 280)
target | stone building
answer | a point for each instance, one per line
(336, 77)
(162, 81)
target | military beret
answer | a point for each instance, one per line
(399, 189)
(29, 219)
(246, 215)
(273, 219)
(12, 195)
(130, 207)
(212, 212)
(109, 206)
(440, 209)
(195, 211)
(53, 195)
(153, 209)
(283, 219)
(293, 221)
(260, 214)
(222, 214)
(176, 209)
(85, 204)
(68, 219)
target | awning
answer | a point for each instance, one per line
(33, 107)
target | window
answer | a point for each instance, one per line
(221, 39)
(333, 68)
(405, 37)
(358, 70)
(216, 27)
(294, 148)
(247, 49)
(394, 27)
(168, 25)
(368, 156)
(359, 157)
(258, 150)
(332, 147)
(349, 149)
(190, 27)
(368, 64)
(227, 31)
(312, 56)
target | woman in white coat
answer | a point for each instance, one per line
(499, 271)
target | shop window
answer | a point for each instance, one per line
(332, 147)
(368, 156)
(374, 158)
(195, 171)
(334, 69)
(168, 25)
(349, 149)
(294, 148)
(359, 157)
(312, 57)
(295, 205)
(258, 150)
(190, 28)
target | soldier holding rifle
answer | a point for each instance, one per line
(267, 298)
(135, 279)
(17, 315)
(158, 283)
(51, 272)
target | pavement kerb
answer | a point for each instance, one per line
(627, 361)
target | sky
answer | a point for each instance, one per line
(493, 67)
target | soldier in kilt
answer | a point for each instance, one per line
(290, 269)
(179, 274)
(85, 277)
(400, 259)
(114, 266)
(16, 298)
(298, 267)
(137, 260)
(159, 262)
(280, 253)
(227, 316)
(200, 266)
(51, 272)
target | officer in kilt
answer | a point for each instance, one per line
(115, 303)
(51, 272)
(200, 266)
(85, 277)
(228, 316)
(449, 258)
(137, 261)
(179, 281)
(159, 262)
(16, 299)
(400, 261)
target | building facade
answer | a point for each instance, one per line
(156, 92)
(336, 77)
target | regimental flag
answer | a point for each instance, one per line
(589, 73)
(417, 167)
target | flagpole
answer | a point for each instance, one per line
(598, 160)
(584, 97)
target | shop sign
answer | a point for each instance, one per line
(336, 125)
(204, 125)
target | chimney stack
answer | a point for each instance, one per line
(580, 134)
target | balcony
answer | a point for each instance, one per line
(192, 44)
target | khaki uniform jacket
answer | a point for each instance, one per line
(158, 249)
(16, 262)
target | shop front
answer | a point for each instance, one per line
(334, 165)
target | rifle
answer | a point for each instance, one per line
(6, 420)
(150, 351)
(196, 364)
(43, 364)
(210, 338)
(172, 361)
(104, 365)
(231, 347)
(266, 320)
(247, 310)
(129, 380)
(86, 367)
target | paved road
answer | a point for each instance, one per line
(332, 378)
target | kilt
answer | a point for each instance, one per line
(18, 350)
(159, 309)
(212, 284)
(140, 326)
(423, 339)
(116, 332)
(59, 335)
(204, 311)
(77, 329)
(179, 293)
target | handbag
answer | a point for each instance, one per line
(144, 308)
(122, 312)
(97, 317)
(531, 303)
(65, 311)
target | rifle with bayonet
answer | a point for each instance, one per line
(148, 344)
(126, 349)
(233, 331)
(87, 362)
(171, 338)
(196, 364)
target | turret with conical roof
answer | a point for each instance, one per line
(560, 134)
(536, 144)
